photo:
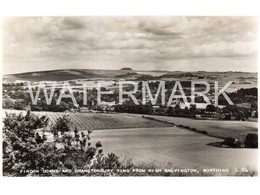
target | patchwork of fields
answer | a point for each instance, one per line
(100, 121)
(218, 128)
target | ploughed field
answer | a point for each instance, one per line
(99, 121)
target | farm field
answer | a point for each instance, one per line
(183, 148)
(99, 121)
(219, 128)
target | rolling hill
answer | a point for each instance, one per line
(240, 79)
(63, 75)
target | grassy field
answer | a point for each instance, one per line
(219, 128)
(98, 121)
(184, 149)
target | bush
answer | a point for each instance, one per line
(239, 144)
(251, 140)
(20, 148)
(204, 132)
(230, 141)
(63, 124)
(26, 148)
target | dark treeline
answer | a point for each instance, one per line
(16, 96)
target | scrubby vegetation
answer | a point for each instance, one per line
(27, 151)
(251, 140)
(233, 143)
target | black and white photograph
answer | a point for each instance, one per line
(168, 96)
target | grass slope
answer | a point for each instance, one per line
(219, 128)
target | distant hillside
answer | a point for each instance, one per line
(62, 75)
(240, 79)
(129, 74)
(57, 75)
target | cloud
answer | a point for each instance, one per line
(34, 43)
(73, 23)
(140, 35)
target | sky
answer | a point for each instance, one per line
(141, 43)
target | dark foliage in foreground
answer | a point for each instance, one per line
(251, 140)
(233, 143)
(26, 150)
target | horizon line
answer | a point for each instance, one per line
(154, 70)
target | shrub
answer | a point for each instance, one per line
(230, 141)
(239, 144)
(63, 124)
(251, 140)
(205, 132)
(20, 148)
(26, 148)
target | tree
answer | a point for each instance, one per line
(27, 151)
(192, 108)
(20, 147)
(211, 108)
(251, 140)
(63, 124)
